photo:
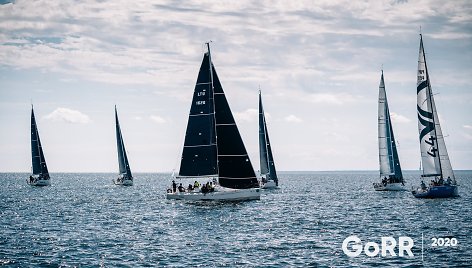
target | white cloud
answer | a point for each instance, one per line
(68, 115)
(138, 118)
(158, 119)
(293, 119)
(467, 126)
(399, 118)
(249, 115)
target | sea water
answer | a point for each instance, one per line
(84, 220)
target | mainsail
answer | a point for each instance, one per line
(265, 151)
(388, 155)
(39, 163)
(122, 157)
(433, 148)
(213, 145)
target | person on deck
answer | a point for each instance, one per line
(423, 186)
(174, 186)
(196, 185)
(181, 188)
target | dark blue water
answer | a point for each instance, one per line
(84, 220)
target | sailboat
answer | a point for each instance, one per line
(125, 177)
(436, 163)
(390, 169)
(213, 148)
(40, 176)
(268, 173)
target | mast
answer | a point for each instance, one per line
(212, 95)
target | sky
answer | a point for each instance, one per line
(318, 64)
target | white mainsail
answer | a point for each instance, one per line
(433, 148)
(385, 155)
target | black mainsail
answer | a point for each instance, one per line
(265, 151)
(37, 156)
(213, 146)
(122, 157)
(388, 154)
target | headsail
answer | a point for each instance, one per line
(37, 155)
(213, 145)
(122, 157)
(388, 155)
(433, 148)
(265, 151)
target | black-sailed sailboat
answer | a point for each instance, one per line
(390, 169)
(213, 148)
(268, 172)
(125, 177)
(40, 176)
(434, 156)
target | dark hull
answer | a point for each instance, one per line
(444, 191)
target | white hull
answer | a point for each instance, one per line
(220, 194)
(269, 185)
(39, 182)
(389, 187)
(123, 183)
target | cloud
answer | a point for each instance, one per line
(467, 127)
(158, 119)
(249, 115)
(399, 118)
(293, 119)
(68, 115)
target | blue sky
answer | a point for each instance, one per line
(317, 62)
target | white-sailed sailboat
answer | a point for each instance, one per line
(40, 176)
(125, 177)
(390, 169)
(268, 173)
(434, 156)
(213, 148)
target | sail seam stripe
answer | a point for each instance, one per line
(203, 145)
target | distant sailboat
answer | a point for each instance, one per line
(390, 170)
(268, 173)
(434, 154)
(213, 148)
(125, 178)
(40, 176)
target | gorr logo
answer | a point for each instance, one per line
(352, 246)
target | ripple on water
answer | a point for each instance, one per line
(82, 219)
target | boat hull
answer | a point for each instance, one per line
(220, 194)
(389, 187)
(123, 183)
(39, 182)
(443, 191)
(269, 185)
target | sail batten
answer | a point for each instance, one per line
(434, 156)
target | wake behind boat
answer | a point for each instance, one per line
(40, 176)
(269, 178)
(434, 156)
(213, 148)
(125, 178)
(390, 170)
